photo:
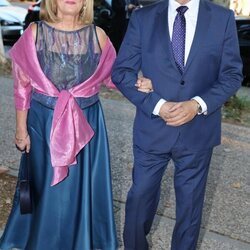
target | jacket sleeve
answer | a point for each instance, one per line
(108, 65)
(230, 74)
(127, 66)
(22, 88)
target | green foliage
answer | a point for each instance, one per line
(235, 108)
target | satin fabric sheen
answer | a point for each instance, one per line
(77, 213)
(67, 117)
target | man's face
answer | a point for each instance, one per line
(182, 2)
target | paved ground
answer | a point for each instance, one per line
(226, 220)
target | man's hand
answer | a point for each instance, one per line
(164, 112)
(181, 113)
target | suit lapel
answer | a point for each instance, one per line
(200, 36)
(164, 36)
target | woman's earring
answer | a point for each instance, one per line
(83, 10)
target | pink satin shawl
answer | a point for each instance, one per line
(70, 130)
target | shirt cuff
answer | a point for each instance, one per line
(202, 104)
(157, 108)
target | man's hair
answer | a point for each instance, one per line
(49, 9)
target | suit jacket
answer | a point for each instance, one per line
(213, 71)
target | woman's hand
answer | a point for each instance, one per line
(144, 85)
(22, 139)
(22, 142)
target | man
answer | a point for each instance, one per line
(190, 51)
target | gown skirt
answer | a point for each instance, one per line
(76, 214)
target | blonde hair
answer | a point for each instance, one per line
(48, 11)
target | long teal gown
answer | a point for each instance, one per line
(76, 214)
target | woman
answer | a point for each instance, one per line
(58, 66)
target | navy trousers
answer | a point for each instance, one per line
(191, 170)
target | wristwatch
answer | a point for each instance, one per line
(199, 108)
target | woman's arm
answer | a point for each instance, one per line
(22, 95)
(144, 84)
(22, 139)
(102, 37)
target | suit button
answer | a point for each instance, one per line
(182, 82)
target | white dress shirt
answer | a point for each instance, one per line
(191, 16)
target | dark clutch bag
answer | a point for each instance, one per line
(25, 189)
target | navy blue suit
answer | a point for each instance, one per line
(213, 71)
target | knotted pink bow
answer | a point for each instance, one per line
(70, 132)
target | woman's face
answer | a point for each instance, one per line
(69, 7)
